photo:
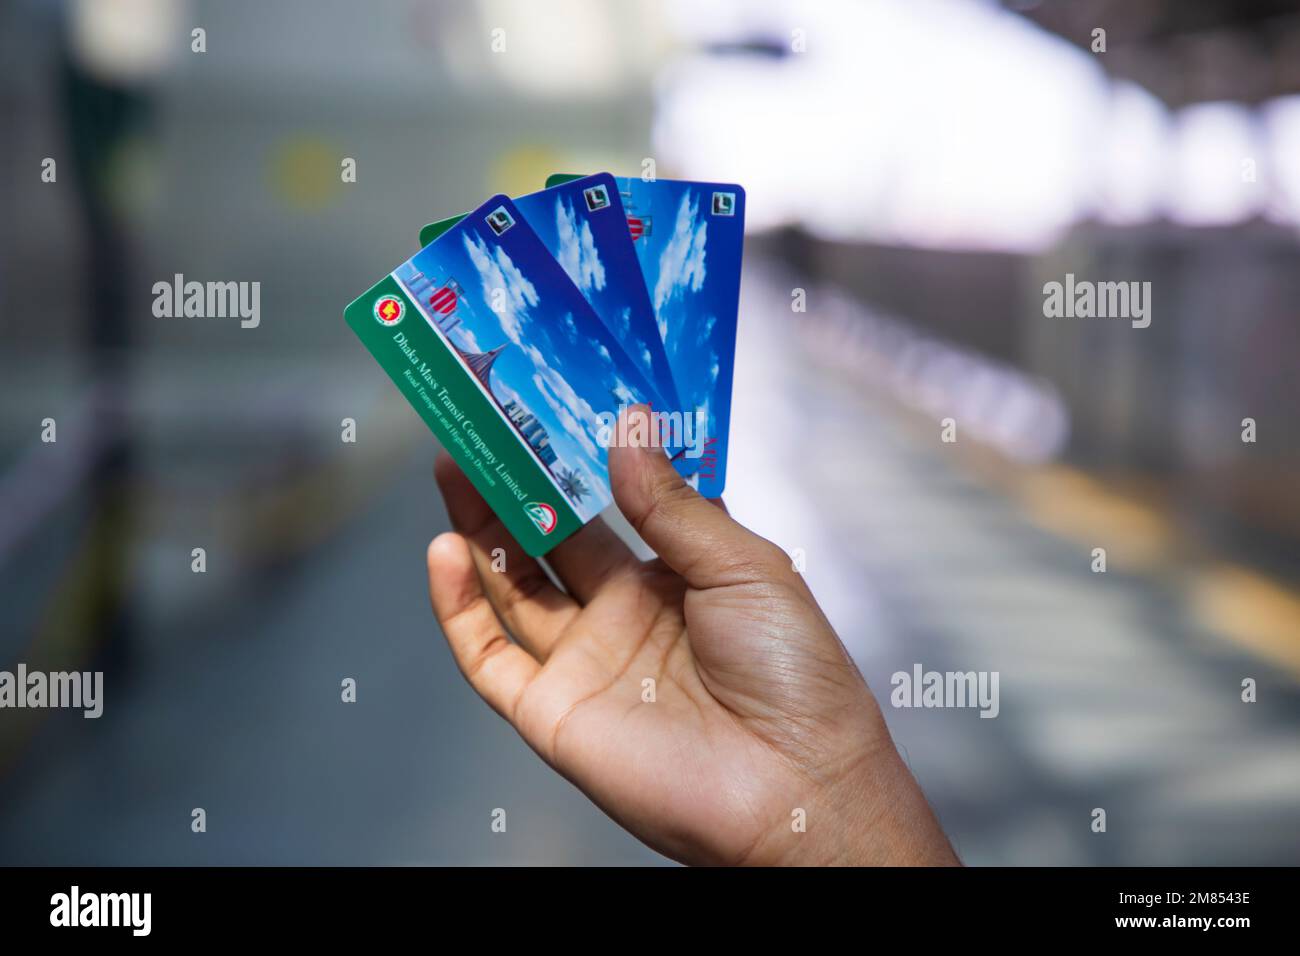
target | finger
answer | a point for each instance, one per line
(589, 558)
(497, 669)
(534, 610)
(694, 536)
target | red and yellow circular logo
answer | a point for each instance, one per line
(388, 310)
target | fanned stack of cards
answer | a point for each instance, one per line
(519, 331)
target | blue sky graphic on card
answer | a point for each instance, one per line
(689, 239)
(583, 224)
(490, 287)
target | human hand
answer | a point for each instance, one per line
(758, 711)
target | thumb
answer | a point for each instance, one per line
(693, 536)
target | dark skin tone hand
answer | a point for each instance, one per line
(758, 712)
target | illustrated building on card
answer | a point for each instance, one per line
(441, 299)
(637, 224)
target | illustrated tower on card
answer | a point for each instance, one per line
(480, 363)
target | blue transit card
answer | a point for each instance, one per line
(689, 239)
(582, 224)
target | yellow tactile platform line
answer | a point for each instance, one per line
(1255, 611)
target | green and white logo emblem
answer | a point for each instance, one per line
(542, 515)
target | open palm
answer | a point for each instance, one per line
(701, 699)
